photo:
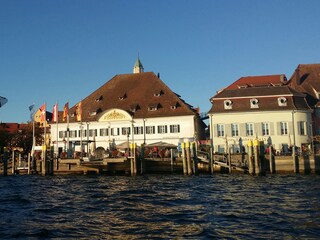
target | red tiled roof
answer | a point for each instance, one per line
(255, 81)
(134, 93)
(266, 89)
(11, 127)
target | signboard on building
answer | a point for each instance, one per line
(115, 115)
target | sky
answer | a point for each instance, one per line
(55, 51)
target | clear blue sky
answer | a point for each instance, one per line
(65, 49)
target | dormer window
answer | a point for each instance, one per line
(227, 104)
(282, 101)
(254, 103)
(134, 107)
(93, 113)
(99, 99)
(174, 106)
(153, 107)
(158, 93)
(243, 86)
(123, 96)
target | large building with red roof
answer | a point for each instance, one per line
(137, 107)
(260, 107)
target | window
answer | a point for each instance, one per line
(150, 130)
(249, 129)
(84, 133)
(138, 130)
(115, 131)
(283, 128)
(227, 104)
(234, 130)
(265, 129)
(73, 133)
(162, 129)
(254, 103)
(175, 128)
(125, 131)
(302, 128)
(282, 101)
(92, 132)
(62, 134)
(104, 132)
(220, 130)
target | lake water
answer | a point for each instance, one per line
(160, 207)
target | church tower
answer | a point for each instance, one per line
(138, 68)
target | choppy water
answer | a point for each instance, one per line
(160, 207)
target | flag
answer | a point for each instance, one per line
(43, 113)
(79, 111)
(31, 109)
(65, 111)
(55, 113)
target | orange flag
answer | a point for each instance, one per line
(43, 113)
(65, 111)
(55, 113)
(79, 111)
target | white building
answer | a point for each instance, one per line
(263, 108)
(135, 107)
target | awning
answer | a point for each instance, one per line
(161, 145)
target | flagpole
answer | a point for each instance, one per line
(33, 164)
(44, 149)
(57, 120)
(68, 132)
(33, 145)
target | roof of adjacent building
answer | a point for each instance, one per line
(143, 95)
(267, 90)
(306, 79)
(255, 81)
(11, 127)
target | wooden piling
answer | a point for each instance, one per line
(188, 155)
(271, 160)
(211, 161)
(195, 158)
(184, 160)
(142, 170)
(57, 164)
(133, 162)
(44, 161)
(229, 160)
(29, 163)
(251, 159)
(13, 163)
(5, 161)
(257, 162)
(171, 159)
(295, 160)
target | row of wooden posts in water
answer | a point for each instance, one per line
(189, 160)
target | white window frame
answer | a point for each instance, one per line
(162, 129)
(302, 128)
(175, 128)
(234, 130)
(249, 129)
(265, 127)
(150, 129)
(283, 128)
(220, 130)
(138, 130)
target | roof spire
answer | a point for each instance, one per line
(138, 68)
